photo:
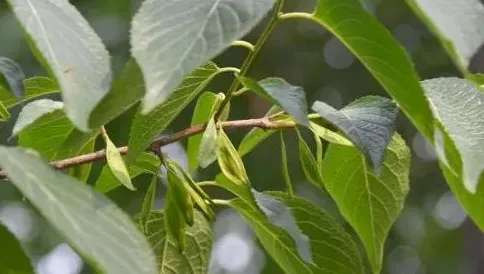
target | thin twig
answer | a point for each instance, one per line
(264, 123)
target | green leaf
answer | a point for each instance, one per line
(145, 163)
(309, 164)
(146, 128)
(148, 203)
(461, 39)
(457, 104)
(229, 160)
(189, 35)
(208, 145)
(33, 111)
(381, 54)
(285, 170)
(256, 135)
(116, 163)
(34, 87)
(12, 76)
(368, 123)
(96, 228)
(71, 52)
(4, 114)
(13, 259)
(178, 192)
(290, 98)
(82, 172)
(204, 110)
(196, 257)
(369, 203)
(126, 91)
(333, 250)
(329, 135)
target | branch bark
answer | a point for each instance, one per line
(264, 123)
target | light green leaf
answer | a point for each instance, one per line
(208, 145)
(189, 34)
(12, 76)
(4, 114)
(204, 110)
(458, 105)
(33, 111)
(329, 135)
(71, 52)
(309, 164)
(146, 128)
(368, 123)
(333, 250)
(34, 87)
(196, 257)
(91, 223)
(285, 169)
(145, 163)
(126, 91)
(116, 163)
(381, 54)
(148, 203)
(13, 259)
(456, 23)
(290, 98)
(256, 135)
(229, 161)
(369, 203)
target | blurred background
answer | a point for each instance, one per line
(433, 234)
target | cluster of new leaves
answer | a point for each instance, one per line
(359, 160)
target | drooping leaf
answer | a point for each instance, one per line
(126, 91)
(333, 250)
(229, 160)
(12, 77)
(116, 163)
(204, 110)
(319, 151)
(189, 34)
(458, 105)
(329, 135)
(91, 223)
(290, 98)
(381, 54)
(13, 259)
(145, 163)
(309, 164)
(196, 257)
(256, 135)
(208, 146)
(148, 203)
(367, 122)
(369, 203)
(34, 87)
(33, 111)
(71, 52)
(4, 113)
(178, 192)
(146, 128)
(456, 24)
(285, 169)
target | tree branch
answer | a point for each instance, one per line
(264, 123)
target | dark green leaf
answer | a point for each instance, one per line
(116, 163)
(381, 54)
(145, 163)
(34, 87)
(290, 98)
(461, 39)
(188, 35)
(309, 164)
(100, 231)
(146, 128)
(285, 170)
(208, 145)
(82, 172)
(178, 192)
(71, 52)
(196, 257)
(4, 114)
(458, 105)
(229, 160)
(33, 111)
(333, 250)
(12, 77)
(13, 259)
(368, 123)
(369, 203)
(148, 203)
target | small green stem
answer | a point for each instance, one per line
(240, 91)
(250, 58)
(220, 202)
(243, 44)
(207, 183)
(296, 15)
(229, 69)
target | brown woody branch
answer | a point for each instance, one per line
(264, 123)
